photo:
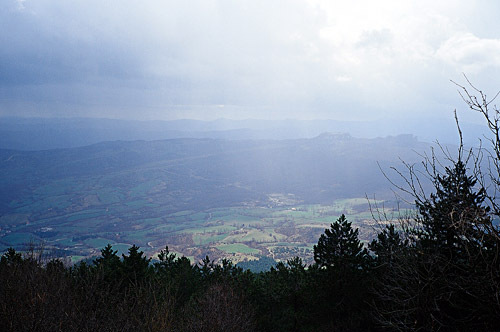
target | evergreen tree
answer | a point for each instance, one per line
(340, 247)
(342, 282)
(135, 265)
(387, 246)
(447, 278)
(11, 257)
(459, 256)
(108, 259)
(453, 216)
(109, 264)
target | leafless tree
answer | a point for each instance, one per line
(429, 289)
(220, 309)
(488, 174)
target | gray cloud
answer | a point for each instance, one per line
(266, 59)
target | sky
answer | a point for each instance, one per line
(238, 59)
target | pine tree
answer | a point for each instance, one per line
(387, 246)
(342, 280)
(109, 264)
(453, 216)
(447, 277)
(340, 247)
(11, 257)
(136, 266)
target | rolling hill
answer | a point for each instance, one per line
(161, 192)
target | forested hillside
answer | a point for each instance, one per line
(200, 196)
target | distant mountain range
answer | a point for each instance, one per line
(51, 133)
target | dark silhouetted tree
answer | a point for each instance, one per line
(135, 265)
(447, 277)
(340, 247)
(342, 280)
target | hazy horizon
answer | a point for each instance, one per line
(35, 133)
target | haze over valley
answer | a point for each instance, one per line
(239, 199)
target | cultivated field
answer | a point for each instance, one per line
(238, 233)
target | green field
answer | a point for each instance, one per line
(237, 248)
(196, 195)
(247, 232)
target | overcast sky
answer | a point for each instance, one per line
(269, 59)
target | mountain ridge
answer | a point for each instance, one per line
(41, 133)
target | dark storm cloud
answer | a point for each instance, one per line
(206, 59)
